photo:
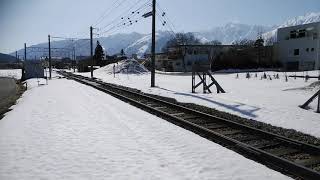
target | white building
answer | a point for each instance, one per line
(181, 58)
(298, 46)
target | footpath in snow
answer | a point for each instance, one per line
(273, 102)
(66, 130)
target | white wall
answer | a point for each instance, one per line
(307, 58)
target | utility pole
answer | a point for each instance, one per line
(318, 60)
(25, 51)
(153, 46)
(50, 68)
(318, 108)
(74, 59)
(16, 55)
(91, 51)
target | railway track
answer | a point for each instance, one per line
(291, 157)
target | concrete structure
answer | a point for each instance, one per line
(298, 46)
(181, 58)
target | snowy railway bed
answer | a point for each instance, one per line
(280, 153)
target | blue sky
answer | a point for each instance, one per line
(31, 21)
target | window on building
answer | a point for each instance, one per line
(189, 63)
(307, 49)
(312, 49)
(293, 34)
(301, 33)
(178, 64)
(296, 52)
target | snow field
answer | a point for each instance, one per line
(14, 73)
(129, 66)
(274, 101)
(66, 130)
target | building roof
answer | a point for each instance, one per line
(301, 25)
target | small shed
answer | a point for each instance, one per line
(33, 69)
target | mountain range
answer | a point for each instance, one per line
(5, 58)
(137, 43)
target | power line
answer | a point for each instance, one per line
(164, 25)
(128, 20)
(166, 17)
(108, 11)
(124, 13)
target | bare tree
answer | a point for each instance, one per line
(182, 39)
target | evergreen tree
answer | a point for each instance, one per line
(259, 46)
(122, 52)
(98, 54)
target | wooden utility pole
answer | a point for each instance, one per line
(318, 108)
(153, 46)
(91, 51)
(25, 51)
(74, 59)
(50, 65)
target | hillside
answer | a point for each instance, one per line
(5, 58)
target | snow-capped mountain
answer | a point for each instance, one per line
(143, 45)
(112, 45)
(232, 32)
(136, 43)
(271, 36)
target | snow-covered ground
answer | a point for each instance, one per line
(14, 73)
(271, 101)
(130, 66)
(66, 130)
